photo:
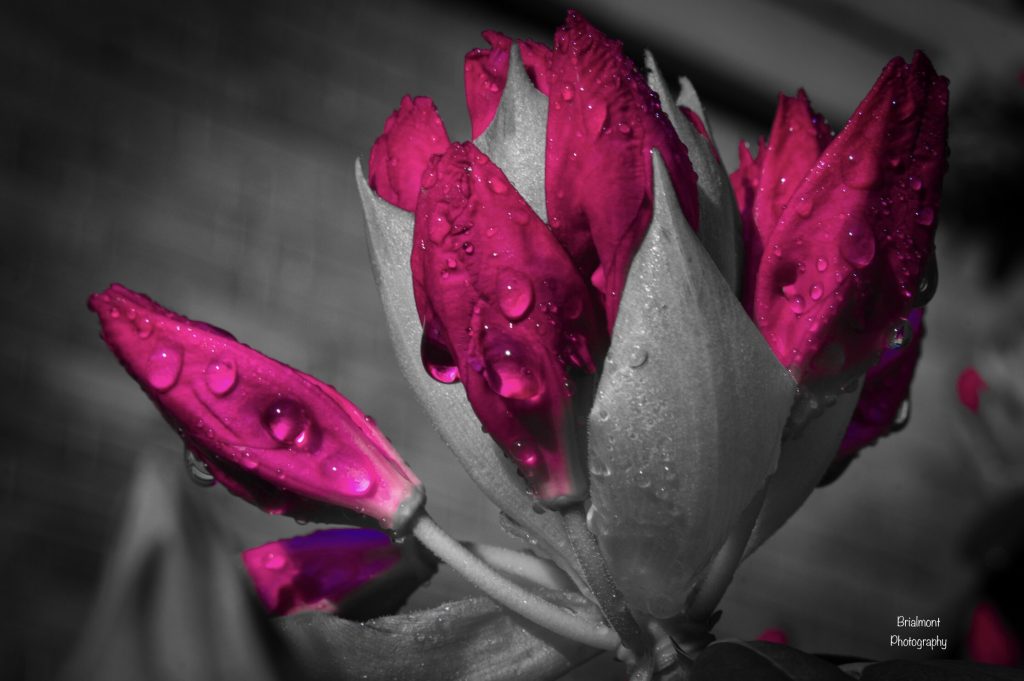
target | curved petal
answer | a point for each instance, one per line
(412, 134)
(326, 571)
(389, 236)
(502, 298)
(603, 121)
(461, 641)
(880, 409)
(275, 436)
(844, 260)
(672, 466)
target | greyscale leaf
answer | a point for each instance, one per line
(688, 416)
(720, 227)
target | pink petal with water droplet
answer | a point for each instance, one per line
(886, 387)
(969, 385)
(412, 134)
(316, 572)
(514, 314)
(603, 120)
(273, 435)
(870, 218)
(487, 71)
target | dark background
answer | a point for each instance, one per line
(203, 153)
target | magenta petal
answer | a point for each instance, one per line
(316, 572)
(990, 640)
(501, 298)
(847, 253)
(603, 120)
(969, 386)
(412, 134)
(886, 388)
(487, 70)
(275, 436)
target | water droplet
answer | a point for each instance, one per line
(925, 216)
(437, 360)
(816, 291)
(248, 462)
(624, 129)
(468, 248)
(498, 185)
(900, 335)
(637, 358)
(821, 264)
(804, 208)
(796, 301)
(515, 294)
(197, 470)
(114, 313)
(274, 561)
(568, 92)
(643, 481)
(902, 417)
(144, 327)
(598, 468)
(520, 217)
(916, 184)
(354, 478)
(221, 375)
(508, 369)
(290, 424)
(163, 368)
(857, 246)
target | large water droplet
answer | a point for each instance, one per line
(821, 264)
(197, 470)
(509, 369)
(900, 335)
(498, 185)
(164, 367)
(925, 216)
(902, 417)
(354, 478)
(515, 294)
(598, 467)
(857, 246)
(221, 375)
(568, 92)
(274, 561)
(144, 327)
(290, 424)
(795, 300)
(437, 360)
(637, 357)
(816, 291)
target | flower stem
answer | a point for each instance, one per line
(609, 598)
(512, 596)
(522, 565)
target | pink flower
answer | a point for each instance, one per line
(318, 571)
(506, 300)
(272, 435)
(839, 231)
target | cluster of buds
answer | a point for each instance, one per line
(647, 364)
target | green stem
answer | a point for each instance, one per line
(609, 598)
(512, 596)
(522, 565)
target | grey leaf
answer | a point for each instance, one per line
(389, 235)
(720, 227)
(516, 138)
(802, 462)
(471, 640)
(759, 661)
(688, 417)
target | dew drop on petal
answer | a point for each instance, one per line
(353, 477)
(515, 295)
(164, 367)
(498, 185)
(804, 208)
(289, 423)
(637, 357)
(144, 327)
(221, 375)
(857, 246)
(437, 360)
(902, 417)
(821, 264)
(274, 561)
(900, 335)
(508, 370)
(816, 291)
(925, 216)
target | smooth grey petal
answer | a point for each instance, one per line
(473, 639)
(389, 236)
(688, 417)
(516, 138)
(802, 462)
(720, 230)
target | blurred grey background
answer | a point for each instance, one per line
(203, 153)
